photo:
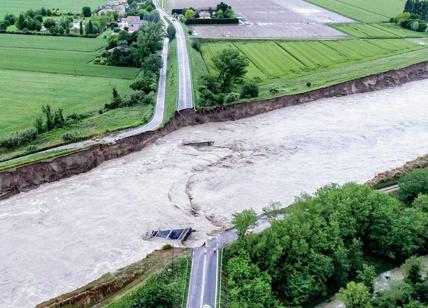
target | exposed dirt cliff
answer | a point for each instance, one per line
(31, 176)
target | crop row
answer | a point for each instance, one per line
(283, 59)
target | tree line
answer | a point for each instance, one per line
(31, 21)
(417, 7)
(323, 242)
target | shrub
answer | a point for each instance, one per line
(413, 184)
(170, 32)
(231, 98)
(196, 44)
(166, 247)
(72, 136)
(308, 84)
(19, 138)
(273, 91)
(249, 90)
(212, 21)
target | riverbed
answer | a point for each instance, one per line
(65, 234)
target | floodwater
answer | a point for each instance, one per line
(65, 234)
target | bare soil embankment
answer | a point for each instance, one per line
(31, 176)
(111, 284)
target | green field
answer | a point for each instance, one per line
(40, 70)
(364, 10)
(382, 30)
(74, 6)
(288, 59)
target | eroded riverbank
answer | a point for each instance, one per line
(65, 234)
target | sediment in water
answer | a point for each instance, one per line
(31, 176)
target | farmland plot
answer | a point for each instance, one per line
(287, 59)
(364, 10)
(40, 70)
(73, 6)
(377, 31)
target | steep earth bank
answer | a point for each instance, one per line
(32, 176)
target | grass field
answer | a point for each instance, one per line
(287, 59)
(381, 30)
(74, 6)
(364, 10)
(171, 83)
(41, 70)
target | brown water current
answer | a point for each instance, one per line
(65, 234)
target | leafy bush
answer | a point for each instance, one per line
(249, 90)
(170, 31)
(73, 136)
(19, 138)
(273, 91)
(196, 44)
(212, 21)
(413, 184)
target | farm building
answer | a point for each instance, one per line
(132, 23)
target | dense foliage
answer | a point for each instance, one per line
(417, 7)
(320, 245)
(216, 90)
(410, 21)
(165, 289)
(55, 23)
(137, 49)
(413, 184)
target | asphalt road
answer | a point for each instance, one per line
(203, 287)
(185, 95)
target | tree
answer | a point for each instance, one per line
(81, 28)
(249, 90)
(413, 270)
(231, 66)
(367, 276)
(146, 84)
(86, 11)
(421, 203)
(156, 295)
(10, 19)
(271, 212)
(89, 29)
(49, 23)
(355, 295)
(47, 110)
(189, 14)
(171, 32)
(20, 23)
(244, 220)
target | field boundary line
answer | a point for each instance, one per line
(67, 74)
(291, 55)
(360, 8)
(269, 76)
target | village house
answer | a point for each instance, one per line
(132, 23)
(204, 15)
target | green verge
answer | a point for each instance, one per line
(171, 83)
(27, 160)
(175, 277)
(94, 126)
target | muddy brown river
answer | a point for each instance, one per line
(65, 234)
